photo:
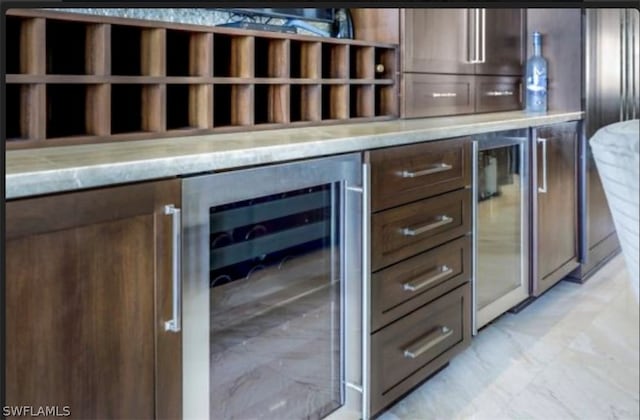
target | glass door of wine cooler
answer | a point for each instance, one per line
(272, 291)
(501, 223)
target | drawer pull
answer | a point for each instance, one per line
(430, 340)
(433, 169)
(442, 220)
(444, 95)
(434, 276)
(499, 93)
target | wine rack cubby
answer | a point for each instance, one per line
(80, 79)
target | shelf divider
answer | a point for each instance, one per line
(98, 110)
(201, 95)
(278, 108)
(153, 51)
(98, 50)
(33, 46)
(154, 108)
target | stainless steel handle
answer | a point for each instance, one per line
(476, 37)
(444, 95)
(483, 44)
(499, 93)
(434, 276)
(174, 324)
(543, 189)
(442, 220)
(434, 169)
(471, 36)
(429, 341)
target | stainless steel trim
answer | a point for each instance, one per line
(623, 76)
(474, 239)
(442, 220)
(444, 95)
(634, 58)
(543, 189)
(199, 194)
(429, 341)
(583, 206)
(366, 288)
(174, 324)
(434, 169)
(434, 275)
(499, 93)
(534, 213)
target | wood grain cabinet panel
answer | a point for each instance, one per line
(87, 290)
(404, 174)
(403, 287)
(409, 350)
(404, 231)
(556, 225)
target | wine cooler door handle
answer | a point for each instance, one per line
(483, 36)
(174, 324)
(427, 342)
(543, 189)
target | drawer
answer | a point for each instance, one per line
(429, 95)
(405, 231)
(498, 93)
(406, 352)
(409, 173)
(403, 287)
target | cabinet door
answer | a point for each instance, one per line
(83, 326)
(502, 42)
(555, 213)
(436, 41)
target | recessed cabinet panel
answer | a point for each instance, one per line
(437, 41)
(429, 95)
(501, 93)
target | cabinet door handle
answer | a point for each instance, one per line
(543, 189)
(499, 93)
(434, 276)
(444, 95)
(442, 220)
(174, 324)
(429, 341)
(483, 44)
(433, 169)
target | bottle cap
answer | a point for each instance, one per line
(537, 37)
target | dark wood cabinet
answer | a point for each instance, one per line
(436, 41)
(88, 288)
(420, 257)
(555, 222)
(460, 61)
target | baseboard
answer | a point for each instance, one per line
(598, 256)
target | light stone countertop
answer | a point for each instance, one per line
(55, 169)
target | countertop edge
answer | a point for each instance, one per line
(44, 177)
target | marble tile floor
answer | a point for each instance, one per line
(574, 353)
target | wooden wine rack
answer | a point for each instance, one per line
(80, 79)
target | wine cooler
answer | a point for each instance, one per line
(272, 292)
(501, 223)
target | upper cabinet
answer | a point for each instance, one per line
(437, 41)
(463, 41)
(458, 61)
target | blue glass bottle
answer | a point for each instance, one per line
(536, 78)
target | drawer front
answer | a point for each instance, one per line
(406, 352)
(498, 93)
(405, 286)
(409, 173)
(402, 232)
(429, 95)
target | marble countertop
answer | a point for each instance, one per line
(55, 169)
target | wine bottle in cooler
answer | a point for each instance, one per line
(536, 78)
